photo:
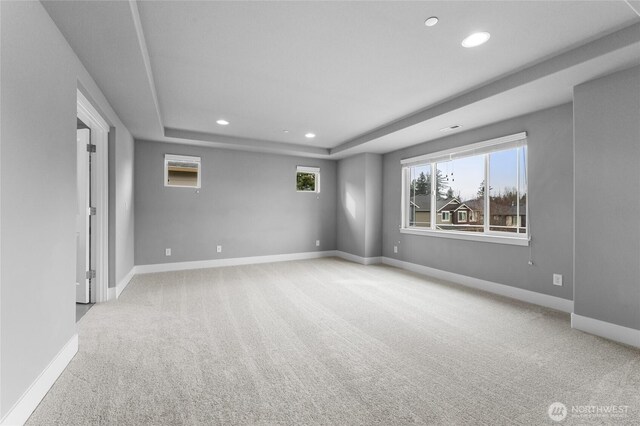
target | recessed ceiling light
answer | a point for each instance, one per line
(430, 22)
(285, 131)
(476, 39)
(450, 128)
(222, 122)
(310, 135)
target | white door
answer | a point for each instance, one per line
(83, 218)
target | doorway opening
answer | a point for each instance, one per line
(92, 207)
(85, 221)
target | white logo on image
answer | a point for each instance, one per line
(557, 411)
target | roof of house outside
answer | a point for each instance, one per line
(422, 203)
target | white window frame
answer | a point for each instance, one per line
(310, 170)
(466, 216)
(448, 219)
(484, 148)
(185, 158)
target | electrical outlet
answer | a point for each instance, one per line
(557, 279)
(317, 243)
(395, 249)
(219, 249)
(167, 252)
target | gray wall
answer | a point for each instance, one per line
(373, 218)
(122, 235)
(607, 174)
(550, 140)
(248, 204)
(359, 209)
(40, 75)
(351, 205)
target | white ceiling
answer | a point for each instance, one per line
(351, 72)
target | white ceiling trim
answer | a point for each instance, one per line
(145, 58)
(246, 143)
(635, 6)
(610, 43)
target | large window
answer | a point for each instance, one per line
(479, 192)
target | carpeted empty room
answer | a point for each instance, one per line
(328, 341)
(312, 212)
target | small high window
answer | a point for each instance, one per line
(181, 171)
(307, 179)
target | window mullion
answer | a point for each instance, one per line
(487, 187)
(518, 190)
(405, 206)
(434, 186)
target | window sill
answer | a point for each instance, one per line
(487, 238)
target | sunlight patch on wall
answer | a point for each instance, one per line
(351, 205)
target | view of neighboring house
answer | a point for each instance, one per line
(453, 214)
(449, 211)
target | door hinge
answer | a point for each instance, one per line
(92, 211)
(91, 274)
(91, 148)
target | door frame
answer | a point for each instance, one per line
(100, 138)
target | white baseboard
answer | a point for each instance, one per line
(528, 296)
(21, 410)
(358, 259)
(125, 281)
(618, 333)
(236, 261)
(114, 292)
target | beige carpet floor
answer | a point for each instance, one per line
(331, 342)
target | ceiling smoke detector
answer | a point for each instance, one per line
(450, 128)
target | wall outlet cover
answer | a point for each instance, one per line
(317, 243)
(167, 252)
(219, 249)
(557, 279)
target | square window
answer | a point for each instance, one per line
(181, 171)
(462, 216)
(307, 179)
(446, 216)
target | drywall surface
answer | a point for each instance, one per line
(373, 205)
(123, 208)
(351, 205)
(248, 204)
(607, 176)
(359, 212)
(40, 78)
(550, 163)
